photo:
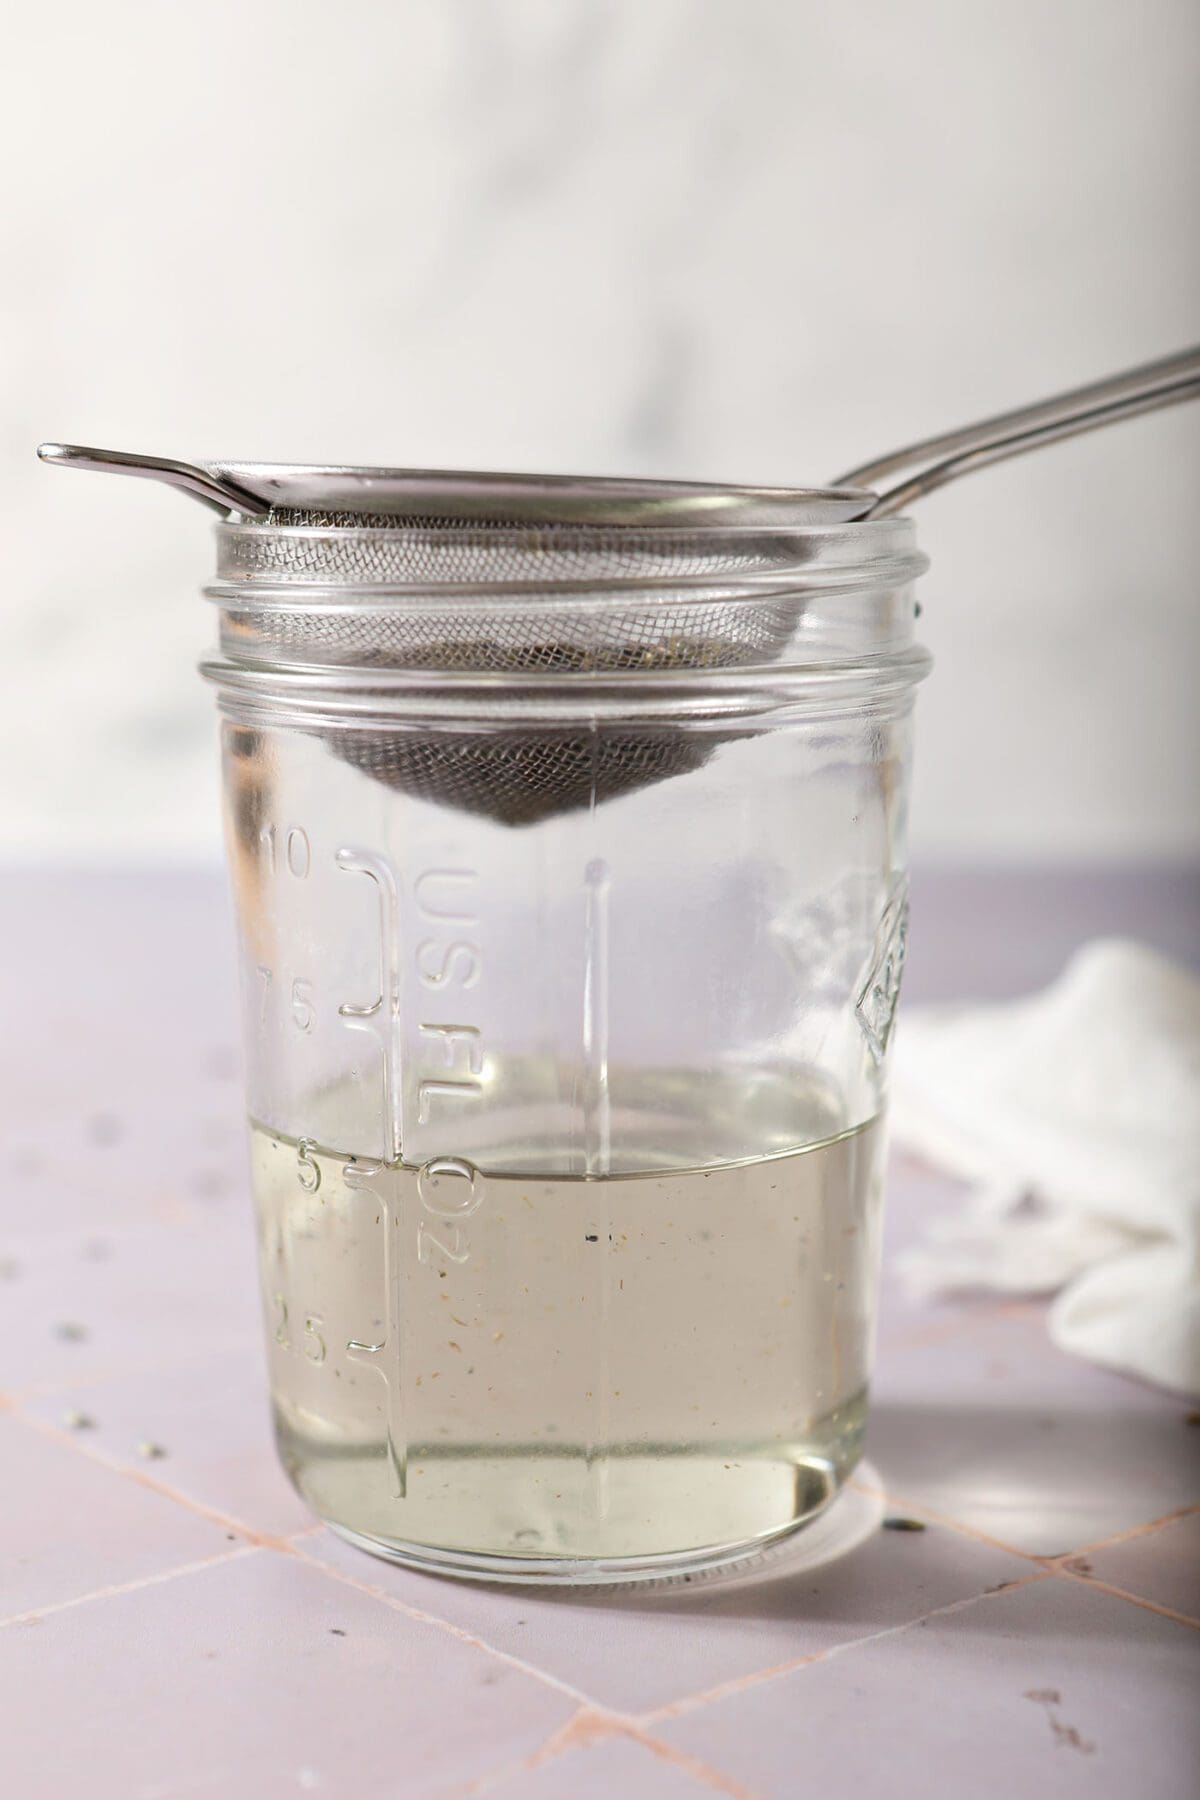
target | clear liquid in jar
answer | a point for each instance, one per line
(670, 1364)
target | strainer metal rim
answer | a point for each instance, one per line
(535, 499)
(751, 587)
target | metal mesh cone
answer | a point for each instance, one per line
(500, 623)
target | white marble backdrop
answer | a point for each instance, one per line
(744, 239)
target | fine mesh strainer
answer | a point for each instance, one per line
(465, 575)
(461, 598)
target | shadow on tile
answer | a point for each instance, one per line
(1046, 1479)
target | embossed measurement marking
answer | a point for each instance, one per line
(296, 860)
(449, 1071)
(386, 1355)
(451, 957)
(297, 849)
(379, 1015)
(443, 1197)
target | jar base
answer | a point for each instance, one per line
(587, 1571)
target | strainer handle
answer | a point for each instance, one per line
(225, 495)
(1163, 383)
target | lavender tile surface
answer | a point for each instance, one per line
(173, 1623)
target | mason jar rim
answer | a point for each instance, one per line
(727, 618)
(433, 699)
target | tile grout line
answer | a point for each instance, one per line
(1049, 1568)
(1133, 1531)
(584, 1728)
(693, 1702)
(603, 1720)
(624, 1723)
(142, 1478)
(1117, 1593)
(456, 1631)
(940, 1518)
(703, 1772)
(286, 1545)
(589, 1710)
(1043, 1561)
(38, 1613)
(589, 1726)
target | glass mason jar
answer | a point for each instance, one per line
(569, 867)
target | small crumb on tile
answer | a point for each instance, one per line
(1066, 1737)
(895, 1523)
(78, 1421)
(1069, 1738)
(70, 1332)
(1192, 1418)
(336, 1631)
(151, 1451)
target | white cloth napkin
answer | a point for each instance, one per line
(1076, 1114)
